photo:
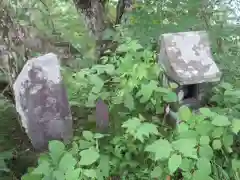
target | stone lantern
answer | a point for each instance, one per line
(187, 62)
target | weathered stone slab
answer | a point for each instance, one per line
(42, 103)
(102, 116)
(186, 57)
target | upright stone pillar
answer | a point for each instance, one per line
(42, 103)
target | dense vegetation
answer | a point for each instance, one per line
(138, 144)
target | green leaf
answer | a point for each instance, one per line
(204, 165)
(85, 144)
(206, 112)
(72, 174)
(146, 91)
(226, 86)
(184, 113)
(31, 177)
(236, 164)
(129, 101)
(217, 144)
(156, 172)
(88, 157)
(170, 97)
(59, 175)
(56, 148)
(204, 128)
(174, 162)
(183, 127)
(186, 147)
(43, 168)
(90, 173)
(161, 148)
(218, 132)
(199, 175)
(186, 164)
(221, 121)
(206, 152)
(145, 130)
(98, 136)
(97, 82)
(235, 126)
(188, 134)
(204, 140)
(227, 140)
(104, 165)
(88, 135)
(74, 150)
(67, 162)
(131, 125)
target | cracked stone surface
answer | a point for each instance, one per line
(41, 101)
(186, 57)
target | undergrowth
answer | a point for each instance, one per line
(140, 144)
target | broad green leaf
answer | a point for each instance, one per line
(206, 152)
(199, 175)
(156, 172)
(217, 144)
(145, 130)
(90, 173)
(186, 164)
(122, 48)
(131, 125)
(85, 144)
(236, 125)
(206, 112)
(88, 135)
(218, 132)
(174, 162)
(186, 147)
(170, 97)
(161, 149)
(204, 165)
(146, 91)
(227, 140)
(43, 168)
(98, 136)
(97, 82)
(104, 165)
(183, 127)
(88, 157)
(188, 134)
(31, 177)
(204, 128)
(74, 150)
(91, 102)
(204, 140)
(221, 121)
(56, 149)
(236, 164)
(184, 113)
(129, 101)
(226, 86)
(67, 162)
(72, 174)
(59, 175)
(173, 85)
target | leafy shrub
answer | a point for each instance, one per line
(141, 145)
(200, 148)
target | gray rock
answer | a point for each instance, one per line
(102, 116)
(186, 57)
(42, 103)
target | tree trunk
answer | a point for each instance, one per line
(93, 13)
